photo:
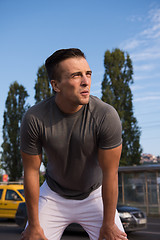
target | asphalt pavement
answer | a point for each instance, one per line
(10, 231)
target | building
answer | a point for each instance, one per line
(139, 186)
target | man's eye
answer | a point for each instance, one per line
(76, 75)
(89, 74)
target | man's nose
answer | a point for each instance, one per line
(85, 80)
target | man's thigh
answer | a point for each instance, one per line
(52, 213)
(90, 215)
(56, 213)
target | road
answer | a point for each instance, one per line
(10, 231)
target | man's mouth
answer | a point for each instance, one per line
(85, 92)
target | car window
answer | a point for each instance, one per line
(21, 191)
(12, 195)
(1, 190)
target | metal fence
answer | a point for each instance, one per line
(139, 186)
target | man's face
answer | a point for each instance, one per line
(73, 88)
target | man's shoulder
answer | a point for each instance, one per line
(97, 105)
(101, 110)
(40, 109)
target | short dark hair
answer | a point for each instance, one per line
(52, 62)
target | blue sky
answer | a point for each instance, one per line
(32, 30)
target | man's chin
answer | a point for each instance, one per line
(84, 101)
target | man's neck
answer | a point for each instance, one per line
(67, 107)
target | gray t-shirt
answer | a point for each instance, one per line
(71, 143)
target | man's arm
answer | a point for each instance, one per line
(109, 163)
(31, 164)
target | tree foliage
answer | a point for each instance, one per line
(15, 108)
(42, 85)
(116, 91)
(42, 90)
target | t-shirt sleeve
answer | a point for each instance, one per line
(30, 135)
(110, 130)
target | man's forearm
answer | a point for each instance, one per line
(109, 162)
(110, 197)
(31, 186)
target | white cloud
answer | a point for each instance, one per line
(153, 32)
(145, 86)
(144, 67)
(144, 49)
(150, 53)
(150, 36)
(154, 15)
(148, 76)
(137, 87)
(146, 98)
(135, 18)
(140, 87)
(131, 44)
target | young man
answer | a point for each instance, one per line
(81, 136)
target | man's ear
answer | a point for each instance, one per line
(54, 84)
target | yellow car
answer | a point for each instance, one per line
(10, 198)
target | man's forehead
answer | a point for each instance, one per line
(74, 64)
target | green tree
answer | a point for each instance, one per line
(116, 91)
(15, 108)
(42, 85)
(42, 90)
(0, 168)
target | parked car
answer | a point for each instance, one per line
(133, 219)
(10, 197)
(21, 215)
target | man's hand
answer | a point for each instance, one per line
(33, 233)
(111, 233)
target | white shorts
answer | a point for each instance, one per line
(56, 213)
